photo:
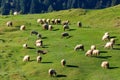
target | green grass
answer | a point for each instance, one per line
(95, 24)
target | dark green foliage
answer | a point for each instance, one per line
(39, 6)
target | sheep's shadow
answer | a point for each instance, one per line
(31, 48)
(72, 29)
(32, 60)
(116, 48)
(72, 66)
(61, 75)
(55, 29)
(113, 37)
(103, 51)
(46, 62)
(117, 44)
(44, 37)
(113, 67)
(45, 46)
(103, 57)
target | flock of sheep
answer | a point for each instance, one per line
(46, 25)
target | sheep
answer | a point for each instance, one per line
(25, 46)
(106, 36)
(57, 21)
(88, 53)
(52, 72)
(63, 62)
(65, 27)
(112, 40)
(93, 47)
(53, 21)
(34, 32)
(41, 52)
(109, 45)
(26, 58)
(105, 64)
(95, 52)
(65, 22)
(39, 36)
(79, 24)
(9, 23)
(48, 21)
(22, 27)
(39, 59)
(15, 13)
(45, 26)
(39, 43)
(65, 34)
(80, 46)
(40, 21)
(50, 27)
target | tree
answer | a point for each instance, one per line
(50, 8)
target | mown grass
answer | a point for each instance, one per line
(79, 67)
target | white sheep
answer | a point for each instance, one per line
(93, 47)
(52, 72)
(95, 52)
(26, 58)
(106, 36)
(112, 40)
(80, 46)
(22, 27)
(88, 53)
(25, 46)
(109, 45)
(50, 27)
(105, 64)
(39, 58)
(65, 27)
(63, 62)
(9, 23)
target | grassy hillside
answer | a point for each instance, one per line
(79, 67)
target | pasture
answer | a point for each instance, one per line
(78, 67)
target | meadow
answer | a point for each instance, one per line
(79, 67)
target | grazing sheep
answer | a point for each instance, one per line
(58, 21)
(65, 34)
(80, 46)
(109, 45)
(9, 23)
(26, 58)
(112, 40)
(48, 21)
(105, 64)
(66, 27)
(79, 24)
(25, 46)
(41, 52)
(34, 32)
(106, 36)
(39, 43)
(52, 72)
(40, 21)
(22, 27)
(93, 47)
(39, 36)
(88, 53)
(39, 59)
(45, 26)
(63, 62)
(50, 27)
(53, 21)
(95, 52)
(65, 22)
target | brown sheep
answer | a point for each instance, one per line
(41, 52)
(65, 34)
